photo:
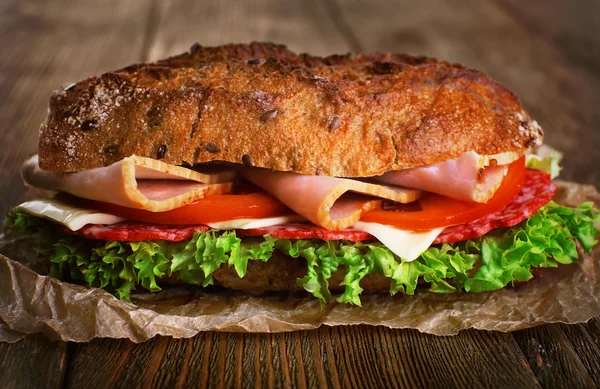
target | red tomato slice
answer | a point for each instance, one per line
(207, 210)
(433, 211)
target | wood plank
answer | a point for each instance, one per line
(57, 43)
(34, 362)
(104, 363)
(570, 29)
(211, 359)
(411, 359)
(593, 329)
(301, 25)
(569, 26)
(563, 97)
(354, 356)
(586, 346)
(552, 358)
(44, 46)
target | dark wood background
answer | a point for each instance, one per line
(548, 52)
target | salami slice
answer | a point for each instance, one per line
(307, 231)
(133, 231)
(537, 190)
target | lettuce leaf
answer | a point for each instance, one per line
(488, 263)
(548, 164)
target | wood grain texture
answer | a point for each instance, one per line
(44, 46)
(356, 356)
(548, 52)
(585, 346)
(34, 362)
(393, 358)
(553, 359)
(570, 30)
(304, 26)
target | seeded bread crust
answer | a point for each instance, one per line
(263, 105)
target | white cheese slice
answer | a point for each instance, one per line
(69, 216)
(405, 244)
(247, 224)
(74, 217)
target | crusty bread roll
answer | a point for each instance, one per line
(265, 106)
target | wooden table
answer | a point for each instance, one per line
(548, 52)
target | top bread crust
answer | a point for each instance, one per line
(263, 105)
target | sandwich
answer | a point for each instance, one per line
(253, 168)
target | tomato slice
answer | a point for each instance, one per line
(206, 210)
(433, 211)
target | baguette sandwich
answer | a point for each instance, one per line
(253, 168)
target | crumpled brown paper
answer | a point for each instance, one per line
(32, 303)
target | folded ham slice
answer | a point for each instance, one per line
(134, 182)
(470, 177)
(324, 200)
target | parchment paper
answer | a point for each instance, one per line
(31, 302)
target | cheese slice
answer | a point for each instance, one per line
(248, 224)
(74, 217)
(408, 245)
(134, 182)
(69, 216)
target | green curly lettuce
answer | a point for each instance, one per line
(549, 165)
(488, 263)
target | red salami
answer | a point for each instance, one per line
(133, 231)
(537, 190)
(306, 231)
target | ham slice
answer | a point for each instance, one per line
(134, 182)
(470, 177)
(324, 200)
